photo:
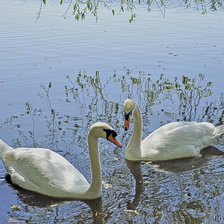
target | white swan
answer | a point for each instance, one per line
(46, 172)
(171, 141)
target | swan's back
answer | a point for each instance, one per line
(177, 140)
(44, 171)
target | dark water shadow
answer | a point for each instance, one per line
(171, 166)
(97, 211)
(34, 199)
(183, 165)
(136, 171)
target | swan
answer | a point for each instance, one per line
(171, 141)
(46, 172)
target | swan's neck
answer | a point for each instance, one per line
(134, 146)
(95, 186)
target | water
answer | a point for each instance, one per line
(58, 76)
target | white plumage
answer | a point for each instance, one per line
(48, 173)
(171, 141)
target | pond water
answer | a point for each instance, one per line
(58, 76)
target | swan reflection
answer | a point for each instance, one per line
(54, 208)
(173, 167)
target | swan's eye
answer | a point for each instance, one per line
(127, 115)
(109, 132)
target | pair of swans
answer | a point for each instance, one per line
(46, 172)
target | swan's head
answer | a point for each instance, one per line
(102, 130)
(129, 106)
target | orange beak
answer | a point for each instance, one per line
(115, 141)
(127, 123)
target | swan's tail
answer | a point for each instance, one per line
(219, 131)
(3, 149)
